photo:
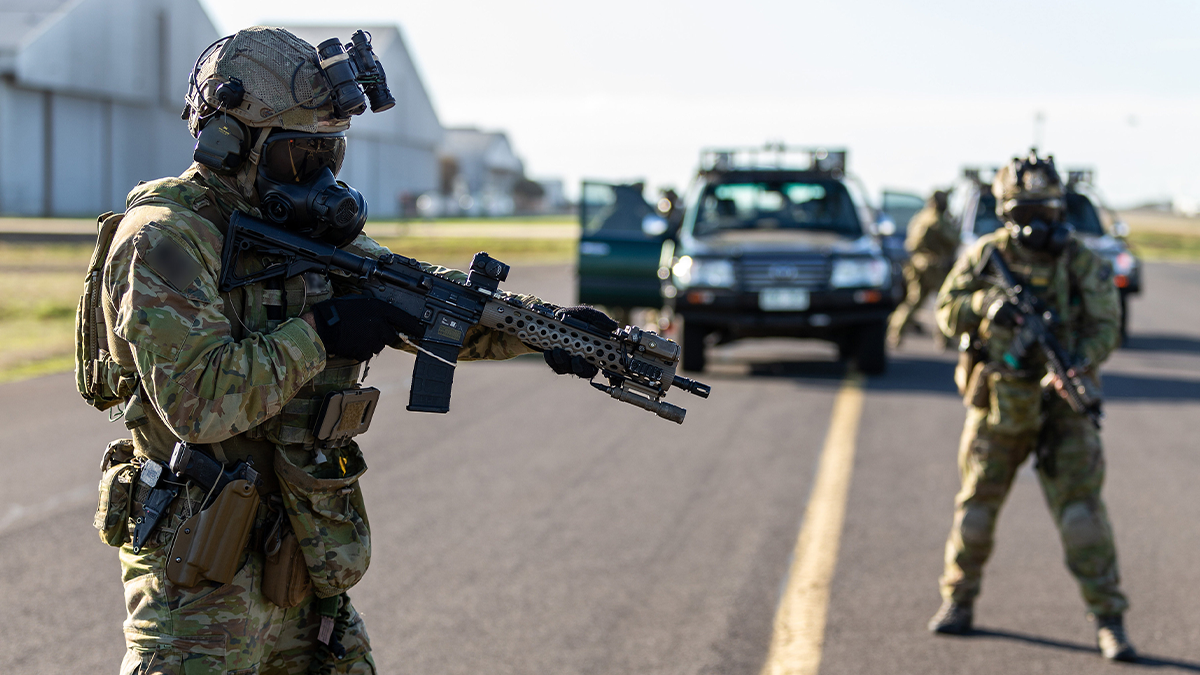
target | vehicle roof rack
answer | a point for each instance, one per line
(774, 156)
(980, 174)
(1077, 176)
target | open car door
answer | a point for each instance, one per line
(619, 247)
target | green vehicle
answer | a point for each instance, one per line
(620, 247)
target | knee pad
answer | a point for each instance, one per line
(976, 524)
(1081, 525)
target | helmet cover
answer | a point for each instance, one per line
(1027, 181)
(279, 74)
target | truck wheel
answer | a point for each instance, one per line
(870, 348)
(845, 347)
(693, 347)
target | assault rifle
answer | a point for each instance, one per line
(638, 364)
(1034, 332)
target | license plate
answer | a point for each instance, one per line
(783, 299)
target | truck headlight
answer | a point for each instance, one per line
(689, 271)
(1123, 263)
(859, 273)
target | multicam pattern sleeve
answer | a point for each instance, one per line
(162, 280)
(960, 303)
(480, 343)
(1098, 322)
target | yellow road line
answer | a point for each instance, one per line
(800, 621)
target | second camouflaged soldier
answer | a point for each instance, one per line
(236, 502)
(1014, 412)
(932, 243)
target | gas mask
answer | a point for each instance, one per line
(297, 188)
(1040, 227)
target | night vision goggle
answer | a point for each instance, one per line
(354, 75)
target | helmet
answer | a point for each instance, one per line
(1027, 182)
(263, 77)
(1029, 199)
(939, 200)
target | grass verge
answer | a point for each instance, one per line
(1163, 236)
(40, 286)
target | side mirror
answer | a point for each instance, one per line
(885, 227)
(1120, 229)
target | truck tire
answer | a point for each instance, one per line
(692, 346)
(870, 348)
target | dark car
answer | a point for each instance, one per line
(767, 249)
(620, 244)
(1094, 223)
(896, 210)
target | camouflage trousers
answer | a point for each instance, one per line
(988, 462)
(214, 629)
(921, 282)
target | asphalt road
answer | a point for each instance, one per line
(541, 527)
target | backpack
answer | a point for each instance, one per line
(101, 381)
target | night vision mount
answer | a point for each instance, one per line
(354, 75)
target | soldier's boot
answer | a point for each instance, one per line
(952, 618)
(1110, 637)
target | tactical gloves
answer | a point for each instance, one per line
(563, 362)
(591, 316)
(1004, 313)
(358, 327)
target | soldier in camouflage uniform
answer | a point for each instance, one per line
(243, 374)
(1013, 413)
(932, 243)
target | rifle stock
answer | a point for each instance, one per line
(639, 365)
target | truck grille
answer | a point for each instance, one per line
(808, 271)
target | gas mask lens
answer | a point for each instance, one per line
(296, 157)
(1024, 214)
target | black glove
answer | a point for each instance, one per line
(358, 327)
(564, 362)
(589, 315)
(1004, 313)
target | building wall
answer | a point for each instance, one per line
(110, 77)
(22, 166)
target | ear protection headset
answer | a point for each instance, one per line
(224, 142)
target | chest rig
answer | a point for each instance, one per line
(331, 408)
(260, 308)
(1051, 279)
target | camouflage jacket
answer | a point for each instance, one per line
(1077, 285)
(932, 239)
(215, 365)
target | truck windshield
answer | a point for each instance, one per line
(1080, 212)
(814, 205)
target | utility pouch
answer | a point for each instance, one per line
(1014, 404)
(345, 414)
(978, 390)
(209, 544)
(969, 355)
(325, 508)
(285, 575)
(119, 472)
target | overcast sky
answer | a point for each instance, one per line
(627, 89)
